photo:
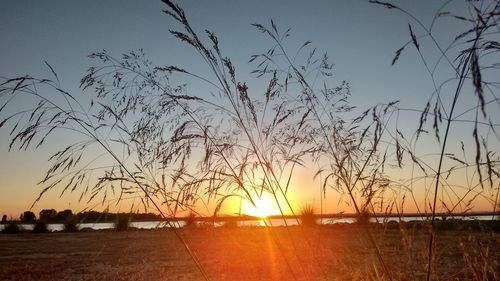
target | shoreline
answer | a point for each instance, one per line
(448, 224)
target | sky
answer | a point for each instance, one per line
(360, 38)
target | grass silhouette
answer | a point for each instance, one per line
(174, 149)
(307, 216)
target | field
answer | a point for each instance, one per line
(247, 253)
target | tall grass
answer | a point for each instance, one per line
(469, 57)
(307, 216)
(151, 130)
(347, 145)
(174, 150)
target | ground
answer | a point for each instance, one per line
(248, 253)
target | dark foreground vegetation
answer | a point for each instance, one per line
(336, 252)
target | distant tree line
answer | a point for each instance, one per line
(53, 216)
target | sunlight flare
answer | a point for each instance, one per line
(264, 207)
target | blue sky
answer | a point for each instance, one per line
(360, 38)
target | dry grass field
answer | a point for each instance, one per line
(246, 253)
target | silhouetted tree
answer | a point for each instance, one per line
(28, 216)
(64, 216)
(4, 218)
(93, 216)
(48, 214)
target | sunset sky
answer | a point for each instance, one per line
(360, 38)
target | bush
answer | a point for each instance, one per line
(70, 225)
(190, 220)
(363, 218)
(40, 227)
(495, 225)
(11, 228)
(307, 217)
(394, 224)
(122, 224)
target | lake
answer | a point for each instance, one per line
(275, 222)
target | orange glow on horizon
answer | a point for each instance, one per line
(265, 206)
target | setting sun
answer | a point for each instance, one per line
(264, 206)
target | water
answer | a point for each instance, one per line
(100, 225)
(275, 222)
(327, 221)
